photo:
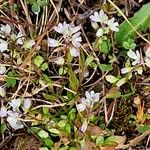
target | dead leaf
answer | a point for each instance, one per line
(94, 130)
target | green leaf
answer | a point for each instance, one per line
(143, 128)
(105, 67)
(38, 60)
(11, 79)
(48, 142)
(54, 131)
(89, 60)
(104, 46)
(43, 134)
(44, 66)
(111, 78)
(74, 82)
(114, 141)
(35, 8)
(99, 140)
(68, 128)
(43, 148)
(3, 127)
(140, 21)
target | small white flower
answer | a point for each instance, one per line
(2, 69)
(5, 30)
(2, 92)
(14, 122)
(82, 106)
(3, 111)
(126, 70)
(113, 25)
(60, 61)
(135, 56)
(26, 104)
(3, 46)
(53, 42)
(92, 96)
(74, 52)
(99, 17)
(99, 32)
(15, 104)
(84, 126)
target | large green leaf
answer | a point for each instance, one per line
(140, 21)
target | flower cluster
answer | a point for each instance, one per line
(105, 23)
(137, 60)
(70, 38)
(137, 65)
(88, 101)
(5, 30)
(16, 109)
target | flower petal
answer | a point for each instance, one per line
(53, 42)
(81, 107)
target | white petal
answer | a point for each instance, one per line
(147, 62)
(84, 126)
(2, 92)
(3, 45)
(88, 95)
(81, 107)
(3, 111)
(99, 32)
(121, 82)
(126, 70)
(26, 104)
(132, 54)
(20, 38)
(53, 42)
(74, 52)
(15, 104)
(2, 69)
(60, 61)
(111, 79)
(14, 123)
(75, 29)
(147, 53)
(6, 29)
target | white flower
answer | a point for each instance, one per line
(5, 30)
(147, 58)
(99, 17)
(135, 56)
(15, 104)
(84, 126)
(66, 29)
(74, 52)
(2, 69)
(92, 96)
(60, 61)
(99, 32)
(88, 102)
(2, 92)
(3, 111)
(53, 42)
(126, 70)
(26, 104)
(113, 25)
(3, 46)
(13, 120)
